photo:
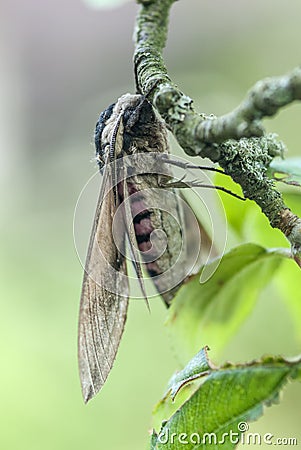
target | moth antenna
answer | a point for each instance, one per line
(112, 152)
(112, 156)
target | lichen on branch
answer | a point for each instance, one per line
(237, 140)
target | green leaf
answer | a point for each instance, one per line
(289, 278)
(239, 214)
(293, 201)
(236, 210)
(220, 409)
(289, 284)
(104, 4)
(209, 313)
(289, 167)
(258, 229)
(197, 367)
(181, 383)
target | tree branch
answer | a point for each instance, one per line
(237, 140)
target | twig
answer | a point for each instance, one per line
(236, 141)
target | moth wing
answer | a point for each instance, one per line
(131, 237)
(104, 299)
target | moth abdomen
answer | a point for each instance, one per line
(153, 270)
(143, 229)
(142, 215)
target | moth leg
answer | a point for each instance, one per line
(186, 165)
(180, 184)
(166, 181)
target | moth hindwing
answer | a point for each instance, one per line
(132, 212)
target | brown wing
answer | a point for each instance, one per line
(104, 300)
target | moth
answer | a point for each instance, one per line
(132, 152)
(129, 128)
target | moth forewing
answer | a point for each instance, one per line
(130, 232)
(102, 310)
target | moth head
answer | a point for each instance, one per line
(138, 112)
(132, 115)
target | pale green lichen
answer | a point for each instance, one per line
(252, 156)
(237, 141)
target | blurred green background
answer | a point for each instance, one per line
(62, 62)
